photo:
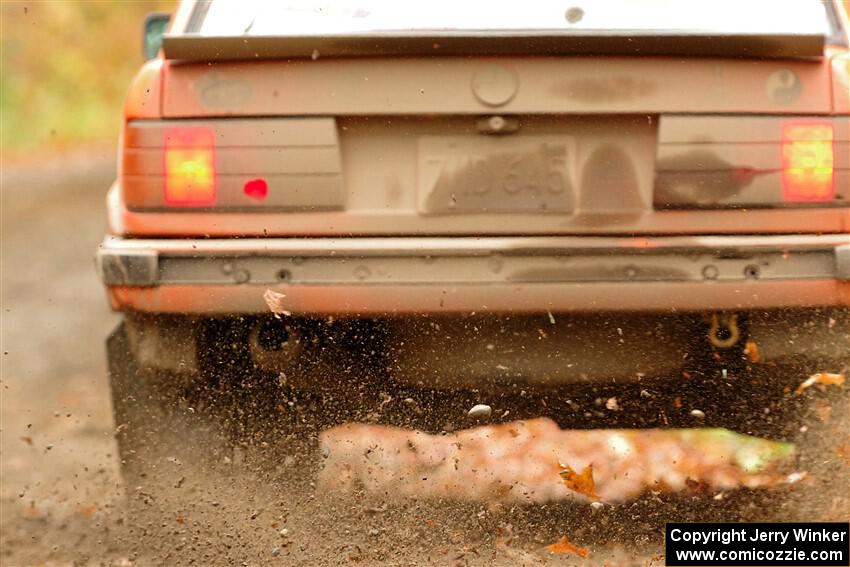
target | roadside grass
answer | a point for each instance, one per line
(65, 69)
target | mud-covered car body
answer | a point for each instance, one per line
(533, 203)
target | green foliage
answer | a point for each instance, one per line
(66, 66)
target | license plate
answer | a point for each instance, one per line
(479, 174)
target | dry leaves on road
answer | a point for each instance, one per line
(844, 453)
(564, 545)
(822, 379)
(581, 483)
(751, 349)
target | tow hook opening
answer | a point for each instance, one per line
(724, 331)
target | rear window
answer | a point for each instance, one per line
(340, 17)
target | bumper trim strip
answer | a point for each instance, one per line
(521, 274)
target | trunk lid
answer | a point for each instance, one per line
(506, 85)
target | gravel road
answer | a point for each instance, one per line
(58, 462)
(62, 501)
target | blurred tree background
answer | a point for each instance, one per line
(66, 65)
(65, 68)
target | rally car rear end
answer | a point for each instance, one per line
(490, 210)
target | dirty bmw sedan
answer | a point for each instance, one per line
(361, 203)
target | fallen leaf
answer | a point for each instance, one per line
(275, 301)
(88, 511)
(27, 440)
(844, 453)
(564, 545)
(822, 379)
(751, 349)
(582, 483)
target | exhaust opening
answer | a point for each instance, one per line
(275, 345)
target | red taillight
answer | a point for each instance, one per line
(189, 166)
(807, 163)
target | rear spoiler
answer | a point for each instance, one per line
(195, 47)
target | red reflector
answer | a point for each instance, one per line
(189, 166)
(807, 163)
(256, 189)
